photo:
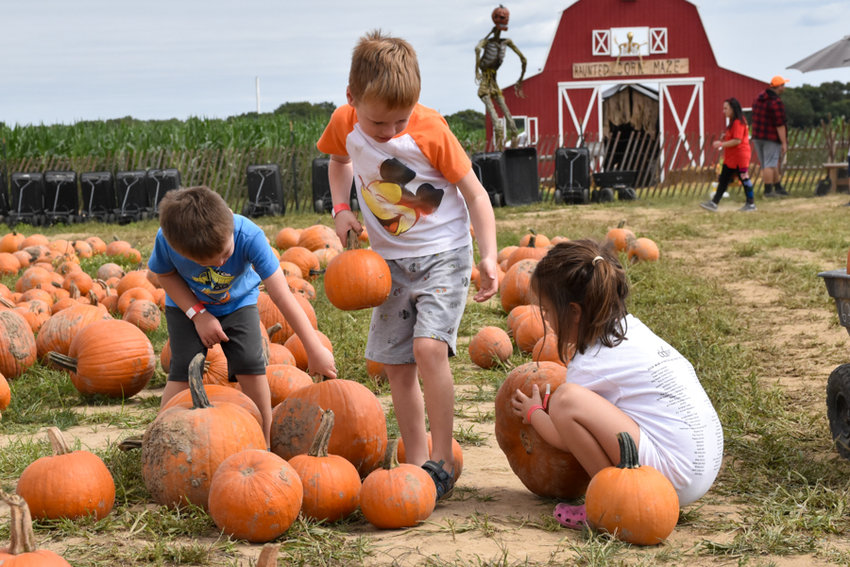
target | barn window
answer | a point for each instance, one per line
(600, 42)
(658, 40)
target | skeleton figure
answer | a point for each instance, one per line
(489, 55)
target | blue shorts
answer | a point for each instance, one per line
(427, 300)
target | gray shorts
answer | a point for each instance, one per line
(427, 299)
(768, 152)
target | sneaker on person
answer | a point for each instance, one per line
(748, 207)
(771, 194)
(709, 206)
(780, 191)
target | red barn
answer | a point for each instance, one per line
(619, 67)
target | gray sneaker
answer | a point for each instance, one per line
(709, 206)
(748, 207)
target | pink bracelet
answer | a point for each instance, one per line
(531, 410)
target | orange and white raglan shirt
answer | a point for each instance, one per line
(406, 187)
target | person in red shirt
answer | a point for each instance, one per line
(735, 146)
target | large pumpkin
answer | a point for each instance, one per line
(515, 288)
(331, 483)
(22, 551)
(217, 393)
(358, 278)
(255, 495)
(57, 332)
(543, 469)
(635, 503)
(362, 440)
(17, 344)
(397, 495)
(68, 484)
(96, 366)
(285, 379)
(183, 447)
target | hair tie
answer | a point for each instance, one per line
(597, 259)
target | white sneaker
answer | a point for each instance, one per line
(748, 207)
(709, 206)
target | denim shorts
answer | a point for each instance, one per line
(768, 152)
(427, 300)
(244, 350)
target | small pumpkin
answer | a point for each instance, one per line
(285, 379)
(331, 483)
(490, 346)
(620, 238)
(68, 484)
(397, 495)
(643, 250)
(22, 551)
(636, 504)
(287, 237)
(255, 495)
(357, 278)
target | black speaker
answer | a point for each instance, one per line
(265, 191)
(572, 175)
(27, 193)
(98, 192)
(61, 197)
(490, 169)
(158, 182)
(522, 184)
(322, 201)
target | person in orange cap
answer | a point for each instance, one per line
(770, 135)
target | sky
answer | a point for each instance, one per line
(63, 61)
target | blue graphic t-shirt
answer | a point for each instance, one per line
(229, 287)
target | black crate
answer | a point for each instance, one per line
(98, 192)
(61, 197)
(522, 184)
(572, 175)
(4, 195)
(158, 182)
(131, 197)
(27, 199)
(265, 191)
(322, 201)
(490, 169)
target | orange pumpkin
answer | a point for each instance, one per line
(397, 495)
(279, 354)
(98, 246)
(304, 259)
(22, 551)
(11, 241)
(331, 483)
(529, 251)
(358, 278)
(255, 495)
(110, 270)
(94, 366)
(319, 236)
(144, 314)
(363, 439)
(643, 250)
(490, 346)
(9, 264)
(296, 347)
(543, 469)
(57, 332)
(620, 238)
(285, 379)
(287, 237)
(532, 238)
(216, 394)
(515, 288)
(68, 484)
(5, 393)
(546, 349)
(17, 344)
(183, 447)
(457, 454)
(636, 504)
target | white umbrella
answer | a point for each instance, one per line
(830, 57)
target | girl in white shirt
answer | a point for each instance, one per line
(622, 377)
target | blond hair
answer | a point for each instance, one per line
(384, 69)
(196, 221)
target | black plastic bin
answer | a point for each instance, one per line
(98, 192)
(265, 191)
(322, 201)
(158, 182)
(572, 175)
(61, 197)
(522, 184)
(4, 196)
(619, 182)
(27, 195)
(490, 169)
(131, 197)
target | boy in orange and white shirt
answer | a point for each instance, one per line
(418, 193)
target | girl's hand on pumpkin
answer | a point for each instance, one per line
(520, 403)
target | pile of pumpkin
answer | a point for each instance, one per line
(207, 447)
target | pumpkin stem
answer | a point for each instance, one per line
(319, 447)
(268, 556)
(93, 298)
(196, 383)
(21, 538)
(274, 328)
(628, 452)
(74, 291)
(62, 360)
(621, 224)
(353, 241)
(6, 303)
(391, 456)
(57, 441)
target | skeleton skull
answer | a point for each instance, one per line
(500, 16)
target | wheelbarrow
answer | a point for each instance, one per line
(838, 385)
